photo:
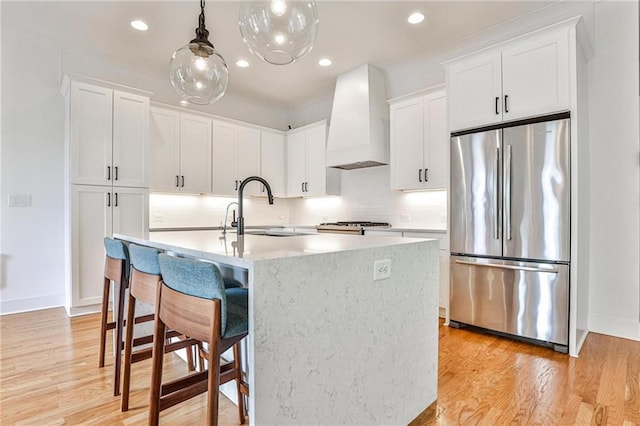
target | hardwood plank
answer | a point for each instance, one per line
(49, 375)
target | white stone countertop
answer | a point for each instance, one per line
(392, 228)
(242, 251)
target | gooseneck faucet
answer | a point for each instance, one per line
(240, 190)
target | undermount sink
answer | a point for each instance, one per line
(273, 233)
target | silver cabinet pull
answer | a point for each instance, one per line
(510, 267)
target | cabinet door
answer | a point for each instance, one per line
(407, 142)
(535, 76)
(224, 178)
(296, 163)
(272, 162)
(164, 164)
(90, 134)
(474, 89)
(436, 163)
(248, 159)
(316, 144)
(130, 140)
(195, 154)
(91, 221)
(130, 211)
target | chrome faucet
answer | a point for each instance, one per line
(226, 214)
(240, 189)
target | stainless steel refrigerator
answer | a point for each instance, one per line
(510, 230)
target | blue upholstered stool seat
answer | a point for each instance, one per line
(117, 249)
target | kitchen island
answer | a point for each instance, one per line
(327, 343)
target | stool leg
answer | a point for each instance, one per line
(191, 365)
(128, 349)
(213, 383)
(103, 320)
(117, 356)
(156, 368)
(237, 363)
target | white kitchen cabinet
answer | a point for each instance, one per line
(419, 142)
(307, 174)
(96, 212)
(180, 152)
(236, 156)
(107, 135)
(526, 77)
(107, 142)
(273, 161)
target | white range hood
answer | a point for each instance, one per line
(359, 127)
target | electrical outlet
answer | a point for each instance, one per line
(381, 269)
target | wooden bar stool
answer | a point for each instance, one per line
(192, 299)
(144, 281)
(116, 269)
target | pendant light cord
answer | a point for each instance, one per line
(202, 34)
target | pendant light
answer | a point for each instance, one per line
(197, 72)
(278, 31)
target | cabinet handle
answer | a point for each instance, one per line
(426, 175)
(182, 181)
(108, 199)
(306, 187)
(177, 181)
(506, 105)
(302, 186)
(236, 181)
(116, 199)
(116, 173)
(497, 100)
(108, 172)
(419, 175)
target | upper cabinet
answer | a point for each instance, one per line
(273, 161)
(108, 136)
(522, 78)
(307, 173)
(419, 141)
(236, 156)
(180, 152)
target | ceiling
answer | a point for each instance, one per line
(351, 33)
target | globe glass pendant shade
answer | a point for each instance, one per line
(278, 31)
(198, 73)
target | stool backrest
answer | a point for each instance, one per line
(194, 278)
(116, 249)
(145, 273)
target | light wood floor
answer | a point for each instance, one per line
(49, 376)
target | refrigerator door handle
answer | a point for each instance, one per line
(507, 192)
(496, 229)
(512, 267)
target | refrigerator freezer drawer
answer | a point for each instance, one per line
(520, 298)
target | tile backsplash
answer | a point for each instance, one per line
(365, 195)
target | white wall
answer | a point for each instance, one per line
(615, 154)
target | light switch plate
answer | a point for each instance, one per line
(381, 269)
(19, 200)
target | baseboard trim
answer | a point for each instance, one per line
(28, 304)
(614, 326)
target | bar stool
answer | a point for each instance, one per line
(143, 286)
(192, 299)
(116, 269)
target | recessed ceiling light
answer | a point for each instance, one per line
(139, 25)
(242, 63)
(415, 18)
(324, 62)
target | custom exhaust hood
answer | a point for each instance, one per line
(359, 127)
